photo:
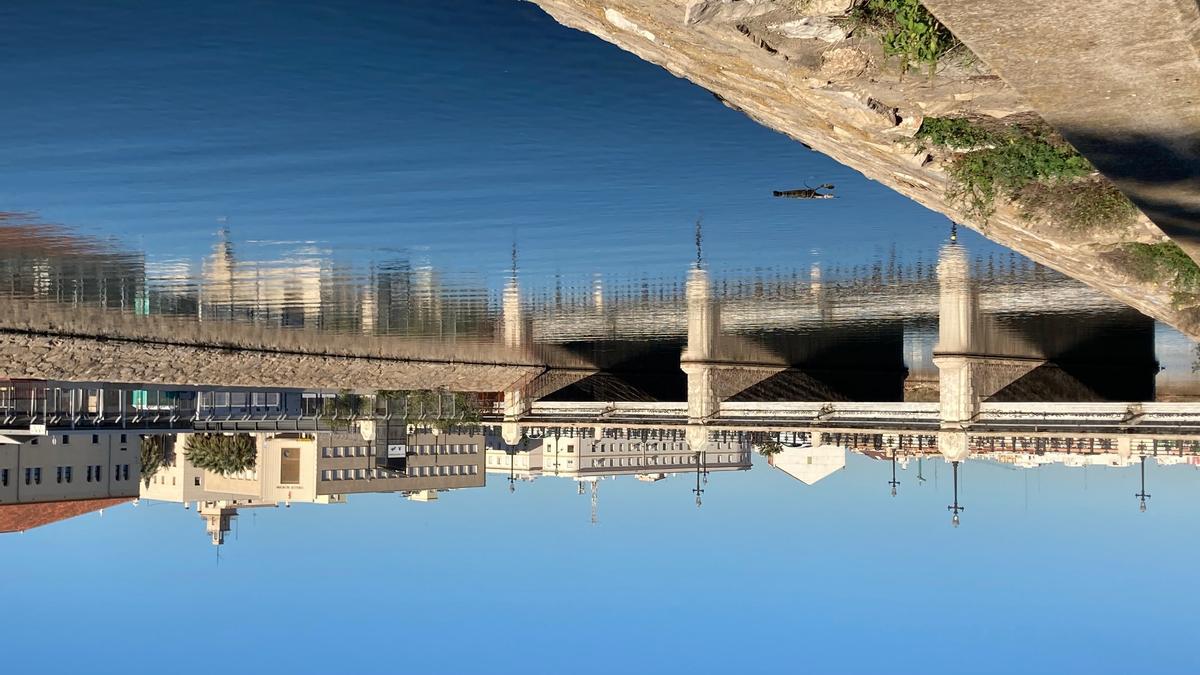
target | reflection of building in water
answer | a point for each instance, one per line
(320, 468)
(289, 290)
(46, 263)
(48, 478)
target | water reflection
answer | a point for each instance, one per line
(264, 384)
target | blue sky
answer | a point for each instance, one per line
(769, 574)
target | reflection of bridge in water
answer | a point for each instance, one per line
(636, 386)
(866, 335)
(981, 357)
(980, 360)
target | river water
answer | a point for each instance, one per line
(661, 420)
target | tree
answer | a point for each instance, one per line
(769, 445)
(441, 410)
(342, 408)
(154, 456)
(221, 453)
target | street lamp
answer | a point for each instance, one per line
(955, 508)
(893, 482)
(1142, 495)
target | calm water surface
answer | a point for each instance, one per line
(474, 176)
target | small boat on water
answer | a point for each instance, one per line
(807, 193)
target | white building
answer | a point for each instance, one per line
(808, 464)
(64, 474)
(70, 465)
(649, 454)
(317, 468)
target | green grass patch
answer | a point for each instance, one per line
(1000, 161)
(1164, 262)
(956, 133)
(906, 29)
(1081, 205)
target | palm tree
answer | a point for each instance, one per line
(221, 453)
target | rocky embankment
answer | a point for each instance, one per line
(801, 67)
(109, 360)
(43, 340)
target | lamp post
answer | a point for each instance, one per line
(1142, 495)
(512, 480)
(955, 508)
(512, 451)
(893, 482)
(698, 490)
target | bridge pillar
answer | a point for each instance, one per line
(974, 356)
(516, 404)
(717, 366)
(703, 327)
(515, 329)
(514, 334)
(954, 445)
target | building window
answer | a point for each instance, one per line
(67, 474)
(66, 439)
(122, 438)
(95, 438)
(58, 476)
(4, 477)
(125, 470)
(97, 479)
(196, 481)
(37, 475)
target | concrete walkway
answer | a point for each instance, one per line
(1119, 78)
